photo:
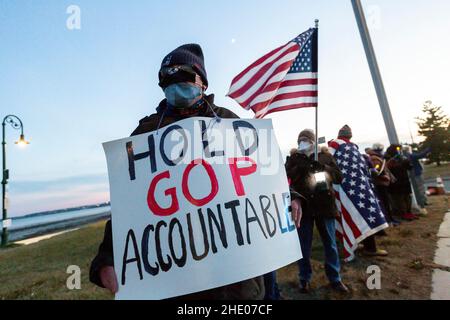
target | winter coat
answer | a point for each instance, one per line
(315, 202)
(381, 176)
(399, 166)
(252, 289)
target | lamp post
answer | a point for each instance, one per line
(17, 124)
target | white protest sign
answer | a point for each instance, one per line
(197, 205)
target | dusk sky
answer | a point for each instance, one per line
(75, 89)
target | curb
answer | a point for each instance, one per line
(441, 278)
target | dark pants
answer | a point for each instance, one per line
(385, 202)
(401, 203)
(271, 285)
(327, 231)
(370, 244)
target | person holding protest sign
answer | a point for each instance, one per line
(313, 180)
(184, 81)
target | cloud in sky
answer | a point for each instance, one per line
(75, 89)
(43, 195)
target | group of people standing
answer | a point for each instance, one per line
(389, 173)
(396, 171)
(183, 79)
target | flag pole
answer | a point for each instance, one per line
(316, 155)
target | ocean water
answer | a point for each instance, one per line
(19, 223)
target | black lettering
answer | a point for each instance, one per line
(180, 262)
(164, 266)
(220, 229)
(148, 268)
(136, 258)
(132, 157)
(252, 219)
(266, 215)
(196, 256)
(237, 227)
(243, 124)
(205, 142)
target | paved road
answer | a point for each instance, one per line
(432, 182)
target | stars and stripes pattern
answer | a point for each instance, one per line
(283, 79)
(361, 214)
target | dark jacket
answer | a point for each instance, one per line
(415, 158)
(399, 166)
(252, 289)
(315, 202)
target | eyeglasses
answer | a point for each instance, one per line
(169, 71)
(176, 74)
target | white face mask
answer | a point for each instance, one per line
(304, 146)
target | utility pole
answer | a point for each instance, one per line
(375, 71)
(376, 77)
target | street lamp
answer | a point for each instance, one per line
(17, 124)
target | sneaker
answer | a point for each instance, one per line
(423, 212)
(378, 253)
(340, 287)
(304, 287)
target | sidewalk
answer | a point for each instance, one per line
(441, 278)
(44, 237)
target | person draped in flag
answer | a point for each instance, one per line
(361, 215)
(313, 180)
(283, 79)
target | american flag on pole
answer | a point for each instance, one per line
(361, 213)
(283, 79)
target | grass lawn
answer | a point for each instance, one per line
(432, 171)
(405, 274)
(38, 271)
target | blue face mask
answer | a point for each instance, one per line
(183, 95)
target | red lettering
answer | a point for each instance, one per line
(151, 201)
(212, 178)
(237, 173)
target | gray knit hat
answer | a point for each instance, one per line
(306, 134)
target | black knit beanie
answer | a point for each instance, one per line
(188, 54)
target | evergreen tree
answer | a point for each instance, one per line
(435, 128)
